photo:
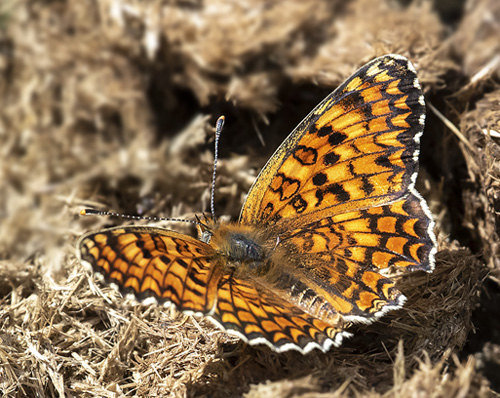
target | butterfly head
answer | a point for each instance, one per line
(205, 228)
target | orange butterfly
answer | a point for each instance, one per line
(333, 208)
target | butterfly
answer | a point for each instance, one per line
(330, 213)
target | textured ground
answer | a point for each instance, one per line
(111, 105)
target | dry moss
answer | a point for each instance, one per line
(111, 104)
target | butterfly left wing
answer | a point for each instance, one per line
(170, 267)
(176, 269)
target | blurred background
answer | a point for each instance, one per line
(111, 104)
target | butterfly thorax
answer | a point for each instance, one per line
(243, 247)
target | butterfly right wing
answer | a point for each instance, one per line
(148, 262)
(343, 258)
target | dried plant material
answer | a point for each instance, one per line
(111, 105)
(476, 39)
(367, 30)
(483, 162)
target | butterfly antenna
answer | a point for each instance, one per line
(218, 129)
(201, 223)
(92, 212)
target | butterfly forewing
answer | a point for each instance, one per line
(357, 149)
(154, 262)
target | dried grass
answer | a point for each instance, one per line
(111, 104)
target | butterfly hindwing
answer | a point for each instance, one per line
(398, 234)
(259, 316)
(341, 256)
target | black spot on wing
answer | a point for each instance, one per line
(299, 204)
(319, 179)
(339, 191)
(324, 131)
(165, 259)
(367, 186)
(146, 254)
(182, 263)
(383, 161)
(336, 138)
(330, 159)
(333, 189)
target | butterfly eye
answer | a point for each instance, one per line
(206, 236)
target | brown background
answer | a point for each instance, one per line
(111, 104)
